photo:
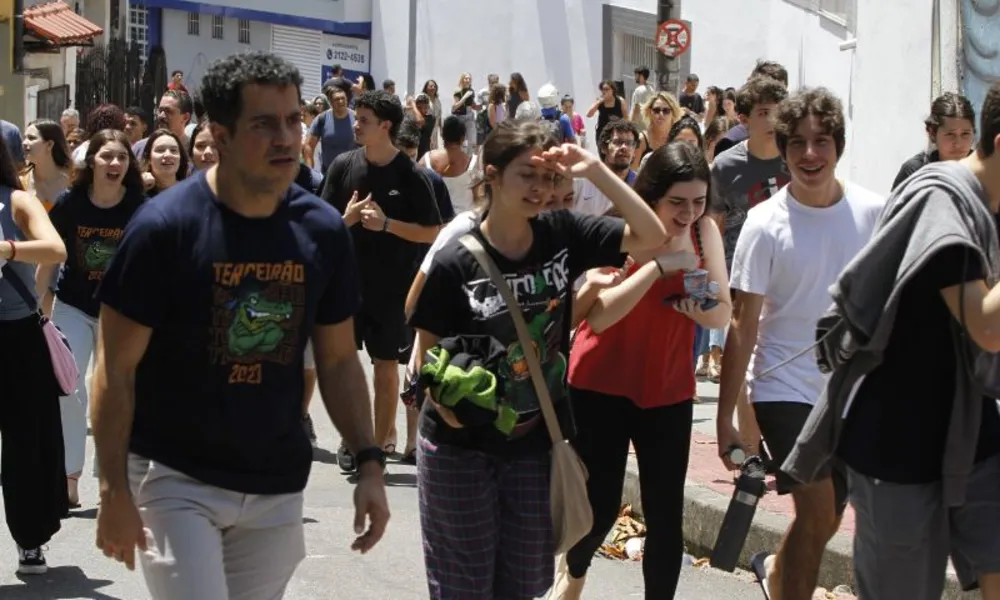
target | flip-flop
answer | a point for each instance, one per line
(389, 449)
(757, 566)
(409, 458)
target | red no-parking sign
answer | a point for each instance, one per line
(673, 38)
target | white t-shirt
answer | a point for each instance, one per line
(462, 224)
(791, 254)
(589, 200)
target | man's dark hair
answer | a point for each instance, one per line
(386, 107)
(769, 68)
(176, 72)
(184, 100)
(816, 102)
(620, 126)
(222, 85)
(388, 83)
(452, 130)
(197, 107)
(136, 111)
(644, 71)
(989, 123)
(692, 77)
(409, 134)
(337, 70)
(337, 83)
(759, 90)
(949, 106)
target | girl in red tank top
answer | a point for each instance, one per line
(631, 370)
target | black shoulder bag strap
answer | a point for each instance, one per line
(19, 286)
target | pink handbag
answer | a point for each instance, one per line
(63, 364)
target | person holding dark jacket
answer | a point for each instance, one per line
(910, 404)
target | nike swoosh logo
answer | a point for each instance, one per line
(393, 192)
(405, 348)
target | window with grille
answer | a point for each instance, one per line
(244, 31)
(218, 26)
(194, 23)
(138, 27)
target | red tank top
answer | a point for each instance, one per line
(646, 357)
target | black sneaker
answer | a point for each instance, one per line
(345, 460)
(32, 561)
(307, 424)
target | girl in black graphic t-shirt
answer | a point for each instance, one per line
(90, 217)
(484, 497)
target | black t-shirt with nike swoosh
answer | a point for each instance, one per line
(387, 262)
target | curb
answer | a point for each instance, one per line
(704, 510)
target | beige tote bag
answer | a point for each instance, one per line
(572, 517)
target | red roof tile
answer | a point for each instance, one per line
(57, 23)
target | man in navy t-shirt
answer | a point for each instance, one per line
(217, 285)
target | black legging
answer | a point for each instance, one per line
(34, 464)
(662, 439)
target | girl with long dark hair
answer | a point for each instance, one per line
(201, 147)
(48, 161)
(484, 494)
(33, 477)
(90, 218)
(630, 372)
(517, 92)
(431, 90)
(951, 132)
(165, 159)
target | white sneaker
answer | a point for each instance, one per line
(31, 561)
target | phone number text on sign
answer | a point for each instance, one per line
(342, 56)
(349, 53)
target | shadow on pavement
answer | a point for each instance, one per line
(90, 513)
(58, 583)
(308, 521)
(401, 479)
(324, 456)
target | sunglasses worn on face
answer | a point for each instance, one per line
(660, 111)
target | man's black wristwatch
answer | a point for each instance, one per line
(369, 454)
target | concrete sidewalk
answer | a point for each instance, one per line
(708, 492)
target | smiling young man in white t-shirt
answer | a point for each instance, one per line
(790, 250)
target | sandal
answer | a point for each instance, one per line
(714, 372)
(389, 449)
(409, 457)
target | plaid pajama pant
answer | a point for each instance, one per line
(485, 522)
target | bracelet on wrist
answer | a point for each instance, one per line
(13, 249)
(659, 267)
(385, 225)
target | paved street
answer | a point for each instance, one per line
(393, 571)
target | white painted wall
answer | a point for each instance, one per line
(885, 82)
(330, 10)
(192, 54)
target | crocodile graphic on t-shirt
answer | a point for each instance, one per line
(98, 254)
(256, 326)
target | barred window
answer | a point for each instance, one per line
(218, 27)
(244, 31)
(194, 23)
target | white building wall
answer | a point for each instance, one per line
(192, 54)
(884, 81)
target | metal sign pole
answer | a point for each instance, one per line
(667, 68)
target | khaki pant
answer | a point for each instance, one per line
(207, 543)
